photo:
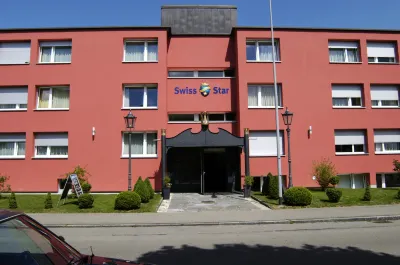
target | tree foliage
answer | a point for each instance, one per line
(324, 171)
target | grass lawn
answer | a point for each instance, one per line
(350, 197)
(102, 204)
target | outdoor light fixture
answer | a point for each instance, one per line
(130, 120)
(93, 131)
(287, 119)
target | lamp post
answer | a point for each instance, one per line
(287, 119)
(130, 120)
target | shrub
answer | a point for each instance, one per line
(167, 182)
(265, 187)
(12, 201)
(127, 200)
(137, 181)
(333, 194)
(334, 180)
(149, 187)
(248, 180)
(396, 165)
(86, 187)
(4, 187)
(48, 203)
(85, 201)
(324, 171)
(298, 196)
(367, 193)
(141, 189)
(273, 187)
(398, 195)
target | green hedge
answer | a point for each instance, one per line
(12, 201)
(48, 203)
(333, 194)
(142, 190)
(297, 196)
(86, 187)
(127, 200)
(273, 187)
(85, 201)
(149, 187)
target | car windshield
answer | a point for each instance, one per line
(23, 241)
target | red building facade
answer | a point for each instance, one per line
(64, 93)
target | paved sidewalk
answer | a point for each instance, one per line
(358, 213)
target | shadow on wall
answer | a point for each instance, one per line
(233, 254)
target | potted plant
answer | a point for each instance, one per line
(248, 182)
(167, 187)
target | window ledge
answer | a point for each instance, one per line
(387, 153)
(254, 61)
(140, 108)
(265, 156)
(264, 107)
(221, 77)
(345, 62)
(139, 61)
(50, 157)
(384, 63)
(51, 109)
(385, 107)
(12, 157)
(17, 110)
(198, 122)
(139, 156)
(54, 63)
(11, 64)
(351, 154)
(348, 107)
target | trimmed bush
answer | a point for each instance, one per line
(273, 187)
(127, 200)
(85, 201)
(324, 170)
(12, 201)
(367, 194)
(48, 203)
(86, 187)
(398, 195)
(149, 187)
(334, 180)
(142, 190)
(139, 180)
(333, 194)
(248, 181)
(265, 187)
(297, 196)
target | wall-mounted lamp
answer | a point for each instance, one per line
(309, 131)
(314, 177)
(93, 131)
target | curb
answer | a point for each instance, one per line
(262, 222)
(261, 202)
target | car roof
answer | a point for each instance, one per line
(4, 214)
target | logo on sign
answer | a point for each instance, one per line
(205, 89)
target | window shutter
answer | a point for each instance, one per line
(15, 52)
(345, 137)
(343, 44)
(346, 91)
(384, 93)
(55, 43)
(50, 139)
(15, 137)
(380, 49)
(387, 136)
(264, 143)
(17, 95)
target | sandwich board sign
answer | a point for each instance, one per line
(72, 181)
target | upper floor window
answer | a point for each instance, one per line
(51, 145)
(142, 144)
(13, 98)
(53, 98)
(263, 143)
(55, 51)
(140, 96)
(15, 52)
(141, 51)
(343, 52)
(350, 142)
(384, 96)
(261, 50)
(347, 96)
(12, 145)
(193, 118)
(387, 141)
(381, 52)
(202, 74)
(263, 96)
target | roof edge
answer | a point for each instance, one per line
(317, 29)
(84, 28)
(199, 6)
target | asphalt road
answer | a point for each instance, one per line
(322, 243)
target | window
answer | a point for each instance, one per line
(343, 52)
(381, 52)
(55, 51)
(53, 145)
(13, 98)
(384, 96)
(346, 96)
(352, 181)
(387, 141)
(140, 96)
(202, 74)
(263, 143)
(194, 118)
(261, 51)
(141, 51)
(142, 144)
(15, 52)
(53, 98)
(350, 142)
(12, 145)
(263, 96)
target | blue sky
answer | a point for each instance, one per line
(382, 14)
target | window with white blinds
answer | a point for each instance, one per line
(52, 145)
(387, 141)
(384, 96)
(343, 52)
(263, 96)
(381, 52)
(347, 96)
(143, 144)
(263, 143)
(350, 141)
(15, 52)
(12, 145)
(13, 98)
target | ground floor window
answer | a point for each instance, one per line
(388, 180)
(353, 181)
(142, 144)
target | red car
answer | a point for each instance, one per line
(25, 241)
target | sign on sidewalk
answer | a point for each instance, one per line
(72, 181)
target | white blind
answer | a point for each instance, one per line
(384, 93)
(12, 137)
(343, 44)
(381, 49)
(15, 52)
(17, 95)
(343, 137)
(51, 139)
(55, 43)
(387, 136)
(264, 143)
(346, 91)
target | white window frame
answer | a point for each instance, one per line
(145, 52)
(196, 118)
(380, 100)
(376, 59)
(17, 108)
(196, 74)
(48, 153)
(144, 155)
(349, 102)
(344, 46)
(137, 86)
(53, 51)
(382, 144)
(50, 107)
(15, 155)
(259, 106)
(257, 42)
(352, 145)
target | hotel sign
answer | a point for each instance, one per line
(204, 90)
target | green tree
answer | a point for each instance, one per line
(367, 193)
(396, 165)
(149, 187)
(48, 203)
(12, 201)
(324, 171)
(141, 189)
